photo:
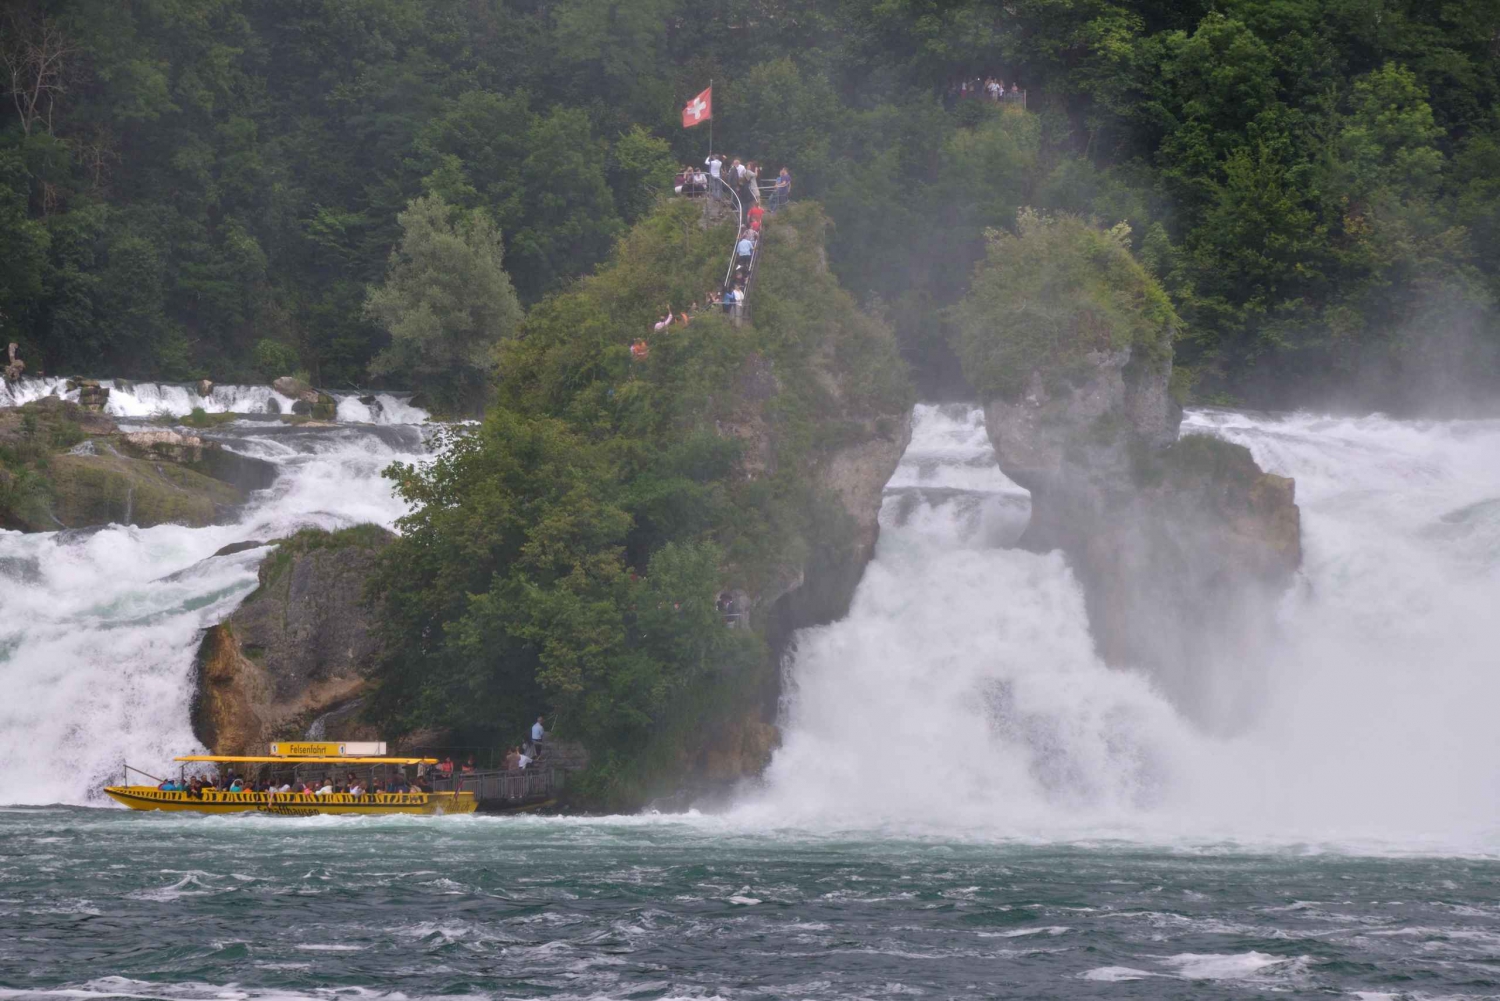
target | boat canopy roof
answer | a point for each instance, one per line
(318, 760)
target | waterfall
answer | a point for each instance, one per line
(162, 399)
(963, 692)
(100, 626)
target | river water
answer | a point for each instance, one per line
(967, 803)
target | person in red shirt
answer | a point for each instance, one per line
(754, 216)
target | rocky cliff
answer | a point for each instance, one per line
(1182, 547)
(296, 651)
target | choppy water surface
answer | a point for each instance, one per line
(100, 902)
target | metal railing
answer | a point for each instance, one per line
(717, 187)
(502, 786)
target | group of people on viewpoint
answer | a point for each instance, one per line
(717, 178)
(990, 88)
(721, 174)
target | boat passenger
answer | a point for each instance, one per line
(326, 790)
(356, 789)
(236, 786)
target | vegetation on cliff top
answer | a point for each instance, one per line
(1050, 294)
(565, 557)
(210, 188)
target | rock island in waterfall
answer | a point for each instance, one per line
(587, 500)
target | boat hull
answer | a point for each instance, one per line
(286, 804)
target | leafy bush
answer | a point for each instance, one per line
(274, 359)
(1049, 294)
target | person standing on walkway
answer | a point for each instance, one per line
(715, 165)
(538, 732)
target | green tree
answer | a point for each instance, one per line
(1050, 293)
(447, 304)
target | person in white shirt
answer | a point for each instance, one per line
(715, 165)
(327, 789)
(356, 790)
(522, 762)
(537, 733)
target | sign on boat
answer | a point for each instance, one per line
(381, 783)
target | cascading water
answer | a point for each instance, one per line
(962, 692)
(100, 627)
(156, 399)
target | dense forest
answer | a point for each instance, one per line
(212, 187)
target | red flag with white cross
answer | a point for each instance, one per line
(700, 109)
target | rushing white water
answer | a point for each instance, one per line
(963, 692)
(156, 399)
(100, 627)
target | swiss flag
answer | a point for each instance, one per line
(699, 110)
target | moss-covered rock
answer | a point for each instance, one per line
(65, 466)
(109, 488)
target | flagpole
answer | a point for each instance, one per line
(710, 118)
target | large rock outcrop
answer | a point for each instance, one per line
(850, 377)
(297, 650)
(63, 465)
(1182, 547)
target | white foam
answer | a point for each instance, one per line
(1116, 974)
(101, 627)
(962, 697)
(164, 399)
(1216, 966)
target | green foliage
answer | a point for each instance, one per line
(223, 173)
(565, 556)
(447, 304)
(273, 359)
(1050, 294)
(200, 418)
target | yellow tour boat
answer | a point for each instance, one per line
(293, 763)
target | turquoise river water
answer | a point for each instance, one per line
(100, 903)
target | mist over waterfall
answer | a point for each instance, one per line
(101, 626)
(963, 691)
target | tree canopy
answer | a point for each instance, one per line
(1050, 294)
(447, 304)
(196, 189)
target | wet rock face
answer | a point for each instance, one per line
(297, 650)
(1182, 547)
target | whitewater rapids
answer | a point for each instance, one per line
(99, 627)
(164, 399)
(963, 694)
